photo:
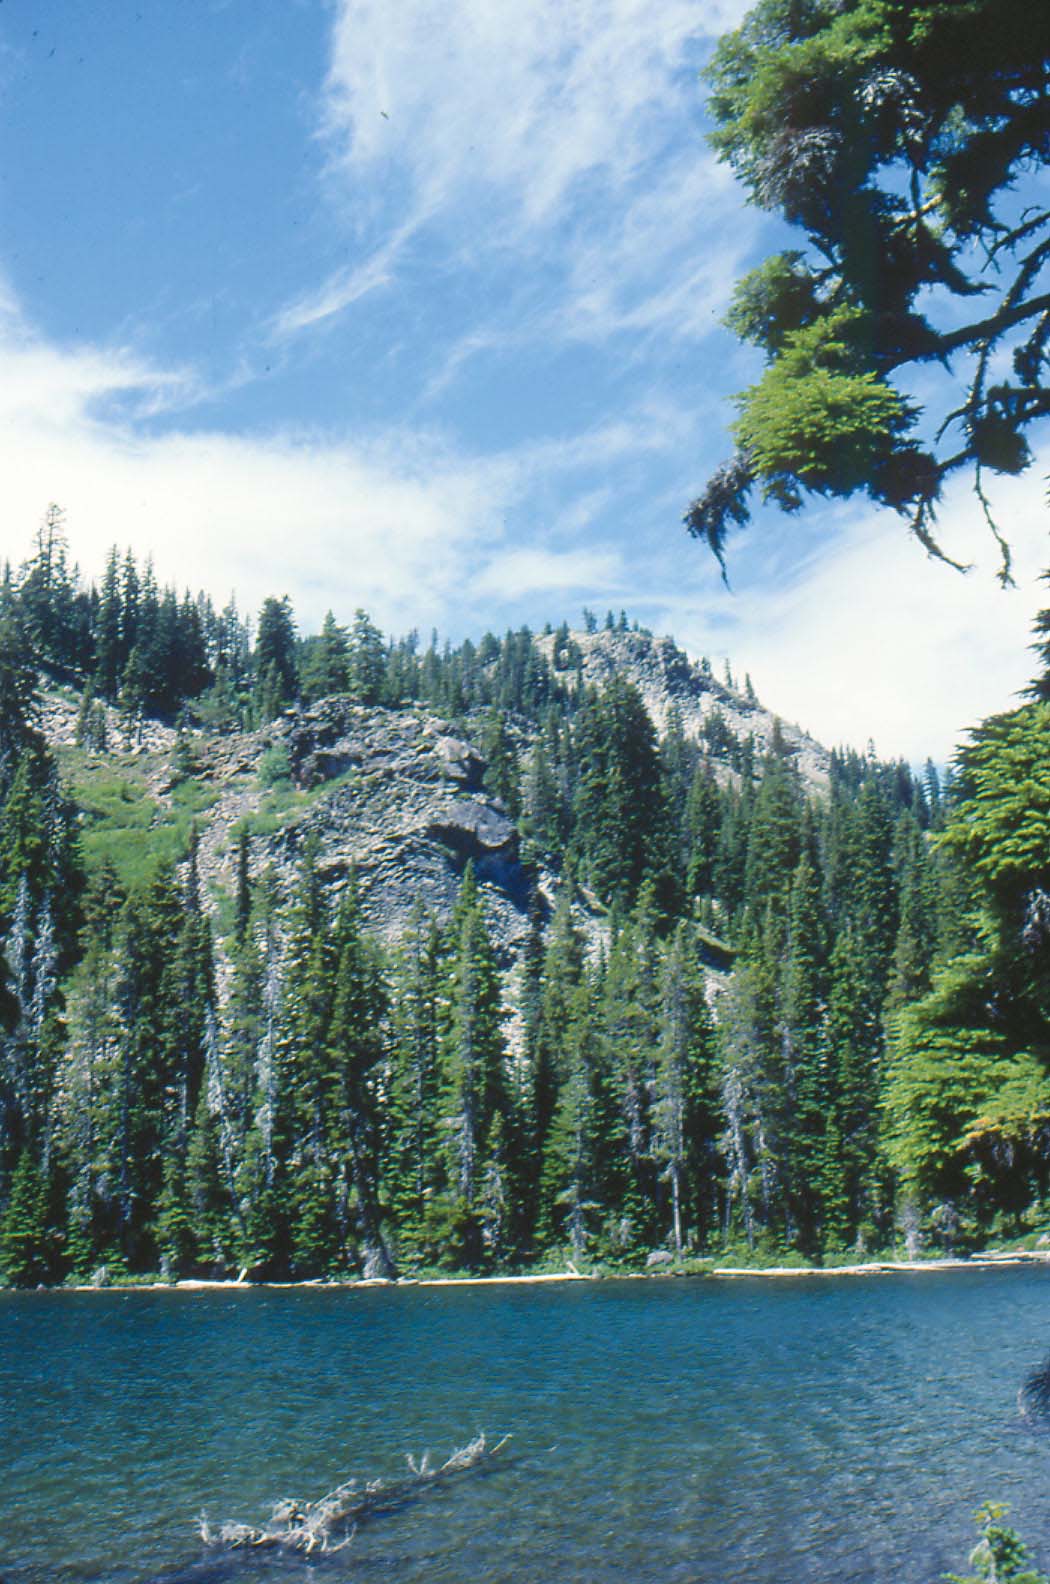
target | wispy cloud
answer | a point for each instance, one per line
(334, 521)
(344, 287)
(400, 520)
(562, 572)
(568, 134)
(842, 621)
(528, 101)
(861, 634)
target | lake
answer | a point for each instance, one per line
(768, 1431)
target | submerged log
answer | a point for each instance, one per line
(329, 1523)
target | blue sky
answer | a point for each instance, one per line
(417, 307)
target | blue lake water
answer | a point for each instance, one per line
(774, 1432)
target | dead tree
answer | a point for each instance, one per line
(329, 1523)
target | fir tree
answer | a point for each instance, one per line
(326, 668)
(304, 1062)
(110, 655)
(276, 673)
(412, 1166)
(685, 1118)
(367, 659)
(502, 776)
(471, 1064)
(801, 1032)
(574, 1197)
(701, 823)
(25, 1243)
(356, 1055)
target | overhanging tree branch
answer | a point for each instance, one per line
(821, 109)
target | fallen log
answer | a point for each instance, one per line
(330, 1523)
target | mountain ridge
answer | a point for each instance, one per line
(397, 793)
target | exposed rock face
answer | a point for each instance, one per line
(406, 813)
(58, 722)
(397, 795)
(665, 676)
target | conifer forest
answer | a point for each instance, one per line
(749, 1015)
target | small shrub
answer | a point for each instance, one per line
(275, 767)
(999, 1556)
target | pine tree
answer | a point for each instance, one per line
(621, 816)
(367, 659)
(48, 597)
(562, 972)
(802, 1041)
(173, 1230)
(412, 1153)
(242, 897)
(256, 1081)
(631, 1036)
(88, 1076)
(25, 1244)
(276, 672)
(207, 1175)
(110, 655)
(356, 1055)
(773, 843)
(917, 931)
(701, 823)
(18, 691)
(326, 669)
(303, 1062)
(502, 776)
(146, 1105)
(23, 844)
(872, 892)
(542, 808)
(729, 865)
(685, 1116)
(575, 1187)
(677, 764)
(753, 1097)
(854, 1045)
(471, 1065)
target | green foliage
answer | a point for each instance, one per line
(961, 1104)
(1000, 1555)
(333, 1108)
(573, 1191)
(472, 1082)
(891, 136)
(1001, 804)
(774, 302)
(967, 1103)
(312, 1105)
(820, 417)
(502, 775)
(18, 685)
(326, 662)
(620, 813)
(125, 827)
(275, 769)
(25, 1244)
(367, 659)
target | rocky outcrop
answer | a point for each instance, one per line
(397, 796)
(666, 678)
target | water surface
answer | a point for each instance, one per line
(778, 1432)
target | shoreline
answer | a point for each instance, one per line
(991, 1260)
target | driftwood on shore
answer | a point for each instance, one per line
(329, 1523)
